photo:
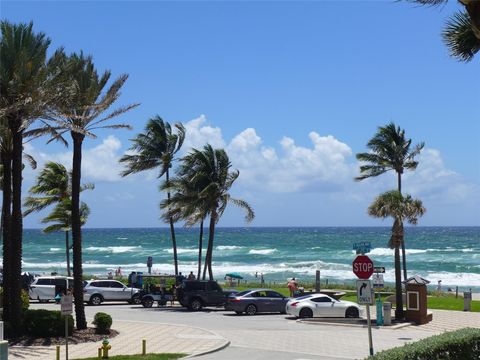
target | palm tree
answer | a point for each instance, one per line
(54, 183)
(401, 208)
(81, 114)
(186, 204)
(156, 148)
(389, 150)
(462, 30)
(24, 96)
(209, 171)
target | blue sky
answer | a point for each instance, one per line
(292, 90)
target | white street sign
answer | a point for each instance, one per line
(364, 292)
(377, 280)
(66, 304)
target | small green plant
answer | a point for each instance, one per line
(44, 323)
(102, 322)
(25, 299)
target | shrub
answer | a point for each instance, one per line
(25, 299)
(463, 344)
(44, 323)
(103, 322)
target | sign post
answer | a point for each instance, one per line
(149, 264)
(66, 307)
(363, 268)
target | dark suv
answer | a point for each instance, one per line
(196, 294)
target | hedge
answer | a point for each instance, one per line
(45, 323)
(463, 344)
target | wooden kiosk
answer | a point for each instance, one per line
(416, 291)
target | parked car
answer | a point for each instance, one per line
(45, 288)
(256, 301)
(97, 291)
(196, 294)
(321, 305)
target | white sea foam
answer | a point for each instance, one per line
(228, 247)
(390, 252)
(262, 251)
(113, 249)
(55, 249)
(122, 238)
(181, 251)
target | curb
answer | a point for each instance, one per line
(391, 327)
(218, 348)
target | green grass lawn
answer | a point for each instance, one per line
(141, 357)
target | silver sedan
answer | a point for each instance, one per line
(321, 305)
(255, 301)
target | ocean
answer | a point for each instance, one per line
(449, 254)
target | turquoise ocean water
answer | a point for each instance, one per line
(450, 254)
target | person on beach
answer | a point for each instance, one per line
(292, 287)
(191, 276)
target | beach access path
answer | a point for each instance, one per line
(269, 336)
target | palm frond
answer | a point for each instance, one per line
(460, 37)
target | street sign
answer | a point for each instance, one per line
(365, 294)
(66, 303)
(362, 247)
(362, 267)
(377, 280)
(379, 269)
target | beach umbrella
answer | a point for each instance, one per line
(234, 276)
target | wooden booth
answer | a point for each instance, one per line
(416, 295)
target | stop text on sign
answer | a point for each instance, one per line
(363, 267)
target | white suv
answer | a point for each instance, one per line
(97, 291)
(43, 287)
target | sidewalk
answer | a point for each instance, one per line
(161, 338)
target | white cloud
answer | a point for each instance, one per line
(199, 134)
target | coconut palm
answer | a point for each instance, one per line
(209, 170)
(24, 96)
(156, 148)
(389, 150)
(461, 33)
(81, 113)
(400, 208)
(53, 187)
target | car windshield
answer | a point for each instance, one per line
(241, 293)
(303, 297)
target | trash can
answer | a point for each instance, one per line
(467, 300)
(379, 305)
(387, 313)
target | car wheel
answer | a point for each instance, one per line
(251, 309)
(239, 312)
(196, 305)
(306, 313)
(136, 300)
(96, 300)
(147, 302)
(352, 313)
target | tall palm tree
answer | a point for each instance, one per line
(186, 204)
(461, 33)
(83, 112)
(53, 187)
(209, 170)
(156, 148)
(389, 150)
(400, 208)
(24, 96)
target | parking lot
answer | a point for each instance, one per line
(265, 336)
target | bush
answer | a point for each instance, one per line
(463, 344)
(103, 322)
(44, 323)
(25, 299)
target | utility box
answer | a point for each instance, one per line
(467, 300)
(416, 296)
(387, 313)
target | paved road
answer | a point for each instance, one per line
(280, 337)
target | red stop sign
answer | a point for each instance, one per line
(362, 267)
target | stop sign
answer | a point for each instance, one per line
(362, 267)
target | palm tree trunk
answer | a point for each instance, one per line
(211, 235)
(6, 222)
(398, 286)
(172, 230)
(67, 249)
(200, 245)
(16, 232)
(404, 258)
(76, 231)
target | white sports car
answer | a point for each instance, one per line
(321, 305)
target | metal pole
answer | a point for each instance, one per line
(317, 281)
(370, 342)
(66, 337)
